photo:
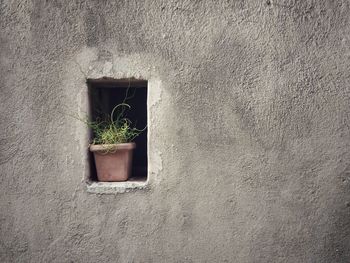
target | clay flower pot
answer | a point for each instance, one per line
(113, 161)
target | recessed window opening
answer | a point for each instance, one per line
(104, 95)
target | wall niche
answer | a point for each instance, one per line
(104, 95)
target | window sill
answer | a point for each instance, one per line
(115, 187)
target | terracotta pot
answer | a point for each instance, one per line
(113, 161)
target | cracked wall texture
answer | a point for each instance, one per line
(250, 131)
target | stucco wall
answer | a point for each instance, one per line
(249, 131)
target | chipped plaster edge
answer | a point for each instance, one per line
(115, 187)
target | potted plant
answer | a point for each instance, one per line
(113, 145)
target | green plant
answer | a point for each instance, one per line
(114, 130)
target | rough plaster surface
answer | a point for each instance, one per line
(249, 145)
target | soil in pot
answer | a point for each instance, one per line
(113, 161)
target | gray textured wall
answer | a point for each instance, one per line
(249, 131)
